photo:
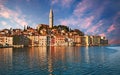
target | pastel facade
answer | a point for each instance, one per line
(58, 41)
(6, 41)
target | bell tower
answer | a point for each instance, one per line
(51, 18)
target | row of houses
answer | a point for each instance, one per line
(45, 36)
(27, 40)
(90, 40)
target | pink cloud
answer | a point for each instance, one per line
(102, 34)
(82, 7)
(114, 41)
(5, 14)
(68, 21)
(111, 28)
(95, 28)
(81, 23)
(3, 23)
(21, 22)
(88, 21)
(63, 22)
(13, 16)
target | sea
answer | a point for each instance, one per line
(62, 60)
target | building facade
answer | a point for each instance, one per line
(6, 41)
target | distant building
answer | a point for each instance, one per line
(93, 40)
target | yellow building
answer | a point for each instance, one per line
(38, 40)
(6, 41)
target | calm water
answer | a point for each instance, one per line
(60, 61)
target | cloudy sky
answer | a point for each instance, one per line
(93, 17)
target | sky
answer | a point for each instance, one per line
(93, 17)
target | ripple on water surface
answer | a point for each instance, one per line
(60, 61)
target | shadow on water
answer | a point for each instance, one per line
(58, 61)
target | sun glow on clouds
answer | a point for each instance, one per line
(87, 17)
(93, 17)
(103, 34)
(15, 17)
(3, 23)
(94, 28)
(5, 14)
(111, 28)
(80, 18)
(82, 7)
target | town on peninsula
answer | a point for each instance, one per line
(48, 35)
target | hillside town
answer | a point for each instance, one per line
(48, 35)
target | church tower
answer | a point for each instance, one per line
(51, 18)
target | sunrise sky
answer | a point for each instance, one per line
(93, 17)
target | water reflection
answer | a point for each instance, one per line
(87, 54)
(43, 55)
(49, 60)
(58, 57)
(38, 56)
(6, 56)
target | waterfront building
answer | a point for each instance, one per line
(60, 41)
(103, 40)
(38, 40)
(96, 40)
(84, 40)
(6, 41)
(43, 40)
(70, 41)
(77, 40)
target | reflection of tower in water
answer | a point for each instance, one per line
(87, 54)
(50, 63)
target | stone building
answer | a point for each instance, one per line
(6, 41)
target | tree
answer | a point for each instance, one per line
(79, 32)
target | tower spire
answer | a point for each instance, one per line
(51, 18)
